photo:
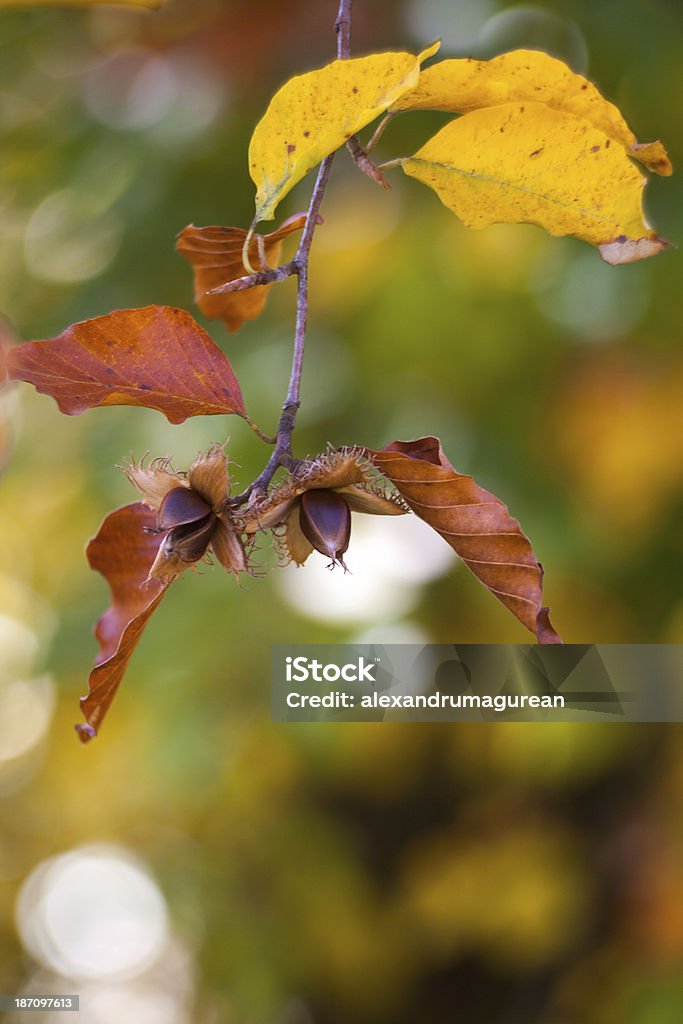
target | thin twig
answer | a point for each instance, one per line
(282, 454)
(240, 284)
(360, 156)
(342, 27)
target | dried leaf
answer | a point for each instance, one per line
(216, 257)
(314, 114)
(123, 553)
(156, 357)
(527, 163)
(6, 341)
(630, 250)
(6, 431)
(526, 75)
(474, 522)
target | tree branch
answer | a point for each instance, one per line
(342, 27)
(241, 284)
(282, 454)
(360, 157)
(363, 161)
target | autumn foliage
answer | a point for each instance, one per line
(531, 142)
(123, 551)
(216, 257)
(475, 523)
(157, 357)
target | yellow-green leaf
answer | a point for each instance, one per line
(314, 114)
(528, 163)
(526, 75)
(79, 3)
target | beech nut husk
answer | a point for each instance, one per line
(192, 512)
(312, 511)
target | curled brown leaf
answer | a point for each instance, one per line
(6, 426)
(476, 524)
(216, 257)
(5, 343)
(123, 552)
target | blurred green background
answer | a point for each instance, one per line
(198, 863)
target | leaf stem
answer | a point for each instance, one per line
(379, 131)
(282, 453)
(246, 262)
(391, 163)
(257, 430)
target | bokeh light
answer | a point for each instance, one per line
(588, 298)
(533, 27)
(26, 708)
(134, 89)
(387, 567)
(59, 248)
(456, 22)
(93, 913)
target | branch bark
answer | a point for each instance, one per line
(241, 284)
(282, 453)
(360, 156)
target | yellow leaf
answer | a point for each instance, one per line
(519, 163)
(79, 3)
(526, 75)
(314, 114)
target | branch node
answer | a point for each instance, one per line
(364, 163)
(240, 284)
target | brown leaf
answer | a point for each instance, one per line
(156, 357)
(123, 553)
(474, 522)
(629, 250)
(5, 344)
(216, 257)
(6, 427)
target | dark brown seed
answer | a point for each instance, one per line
(180, 506)
(190, 541)
(325, 520)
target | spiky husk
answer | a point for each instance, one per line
(346, 472)
(183, 546)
